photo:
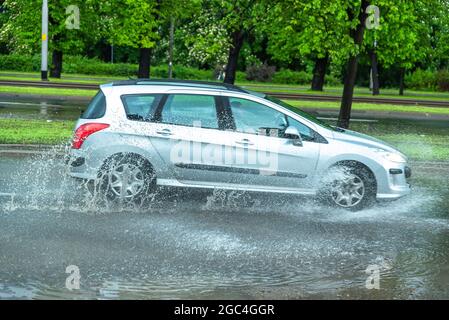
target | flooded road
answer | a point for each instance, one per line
(205, 246)
(45, 109)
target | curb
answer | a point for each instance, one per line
(30, 149)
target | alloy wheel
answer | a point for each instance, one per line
(126, 180)
(349, 191)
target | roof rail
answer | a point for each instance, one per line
(181, 83)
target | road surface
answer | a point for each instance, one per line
(203, 246)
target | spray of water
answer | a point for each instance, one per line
(42, 182)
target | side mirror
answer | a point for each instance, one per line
(293, 133)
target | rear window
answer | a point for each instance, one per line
(141, 107)
(96, 108)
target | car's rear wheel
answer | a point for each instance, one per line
(126, 177)
(349, 187)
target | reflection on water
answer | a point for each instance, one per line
(41, 109)
(217, 246)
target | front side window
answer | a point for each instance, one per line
(141, 107)
(307, 134)
(190, 110)
(256, 118)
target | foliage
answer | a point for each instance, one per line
(400, 34)
(206, 43)
(22, 30)
(421, 80)
(310, 29)
(292, 77)
(137, 23)
(287, 34)
(442, 79)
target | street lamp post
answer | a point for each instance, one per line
(44, 53)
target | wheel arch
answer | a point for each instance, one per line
(131, 154)
(355, 164)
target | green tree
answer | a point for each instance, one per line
(227, 25)
(314, 30)
(3, 19)
(205, 42)
(400, 36)
(22, 30)
(137, 23)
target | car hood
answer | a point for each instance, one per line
(363, 140)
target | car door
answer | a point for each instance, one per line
(261, 155)
(188, 137)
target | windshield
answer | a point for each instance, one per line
(298, 111)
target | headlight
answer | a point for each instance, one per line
(391, 156)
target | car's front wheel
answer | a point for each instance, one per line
(349, 187)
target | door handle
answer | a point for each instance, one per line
(164, 132)
(245, 142)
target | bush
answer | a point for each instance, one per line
(15, 62)
(260, 72)
(442, 79)
(189, 73)
(89, 66)
(331, 80)
(286, 76)
(83, 65)
(421, 80)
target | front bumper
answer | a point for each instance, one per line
(396, 184)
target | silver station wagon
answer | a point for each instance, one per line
(138, 134)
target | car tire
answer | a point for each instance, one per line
(349, 187)
(126, 178)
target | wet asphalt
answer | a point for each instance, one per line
(206, 245)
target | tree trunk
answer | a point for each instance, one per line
(144, 63)
(56, 65)
(351, 73)
(234, 51)
(319, 73)
(375, 73)
(401, 81)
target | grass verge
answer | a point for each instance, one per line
(418, 140)
(48, 91)
(21, 131)
(367, 107)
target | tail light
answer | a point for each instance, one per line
(85, 131)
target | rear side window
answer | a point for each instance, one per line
(190, 110)
(96, 108)
(141, 107)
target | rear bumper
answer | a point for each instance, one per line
(81, 166)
